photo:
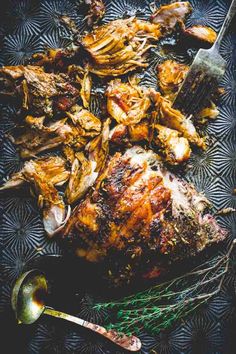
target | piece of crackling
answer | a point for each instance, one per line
(44, 174)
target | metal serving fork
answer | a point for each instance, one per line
(205, 73)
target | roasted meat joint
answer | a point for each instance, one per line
(102, 176)
(140, 209)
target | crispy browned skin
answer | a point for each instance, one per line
(201, 34)
(140, 208)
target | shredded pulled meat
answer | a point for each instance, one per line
(175, 148)
(127, 205)
(43, 93)
(127, 103)
(75, 131)
(119, 46)
(82, 177)
(44, 175)
(171, 75)
(176, 120)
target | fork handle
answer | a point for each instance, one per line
(229, 17)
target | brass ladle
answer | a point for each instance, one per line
(28, 302)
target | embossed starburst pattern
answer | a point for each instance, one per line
(204, 164)
(18, 48)
(127, 8)
(5, 297)
(149, 78)
(14, 261)
(168, 342)
(30, 26)
(54, 40)
(224, 193)
(24, 17)
(222, 306)
(49, 338)
(229, 223)
(9, 158)
(221, 192)
(209, 13)
(225, 125)
(228, 84)
(19, 203)
(7, 112)
(228, 49)
(22, 228)
(51, 13)
(200, 333)
(218, 160)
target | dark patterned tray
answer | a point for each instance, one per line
(28, 26)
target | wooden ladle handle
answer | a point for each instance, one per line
(130, 343)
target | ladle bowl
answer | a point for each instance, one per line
(28, 302)
(28, 296)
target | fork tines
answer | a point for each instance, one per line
(195, 91)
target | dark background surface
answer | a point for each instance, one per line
(28, 26)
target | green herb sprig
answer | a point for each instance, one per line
(160, 306)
